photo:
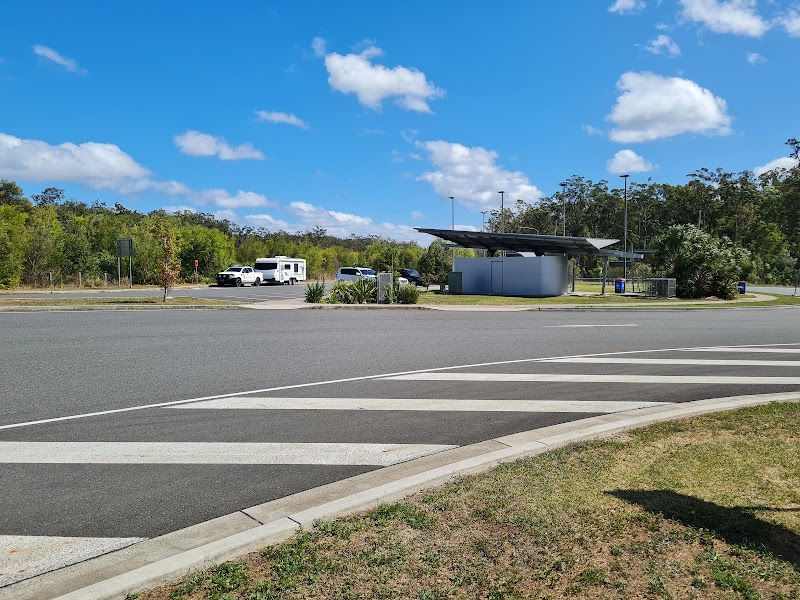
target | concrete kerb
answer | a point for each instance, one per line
(508, 448)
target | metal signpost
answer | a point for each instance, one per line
(125, 248)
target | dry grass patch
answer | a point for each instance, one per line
(703, 508)
(150, 300)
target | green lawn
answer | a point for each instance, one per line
(701, 508)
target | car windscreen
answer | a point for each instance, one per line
(367, 272)
(235, 269)
(411, 272)
(266, 266)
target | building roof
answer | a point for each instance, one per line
(524, 242)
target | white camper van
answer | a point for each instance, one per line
(281, 269)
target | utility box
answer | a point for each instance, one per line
(455, 282)
(385, 287)
(661, 287)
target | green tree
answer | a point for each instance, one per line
(702, 265)
(11, 195)
(43, 244)
(168, 268)
(12, 242)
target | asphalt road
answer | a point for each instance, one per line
(333, 392)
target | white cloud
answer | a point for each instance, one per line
(734, 16)
(591, 130)
(103, 167)
(755, 58)
(179, 208)
(627, 161)
(355, 74)
(416, 215)
(343, 224)
(466, 227)
(50, 54)
(784, 162)
(318, 45)
(652, 107)
(281, 117)
(195, 143)
(663, 44)
(626, 6)
(266, 221)
(473, 177)
(791, 22)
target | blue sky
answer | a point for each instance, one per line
(365, 117)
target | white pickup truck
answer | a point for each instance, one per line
(238, 276)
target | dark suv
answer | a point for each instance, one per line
(412, 275)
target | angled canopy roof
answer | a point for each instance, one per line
(523, 242)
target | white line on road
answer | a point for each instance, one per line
(345, 380)
(597, 325)
(421, 404)
(582, 378)
(678, 361)
(213, 453)
(747, 349)
(26, 556)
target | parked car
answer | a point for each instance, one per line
(238, 276)
(401, 281)
(354, 273)
(412, 275)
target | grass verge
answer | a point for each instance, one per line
(173, 301)
(434, 298)
(702, 508)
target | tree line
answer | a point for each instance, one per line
(49, 238)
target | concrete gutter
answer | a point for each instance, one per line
(161, 560)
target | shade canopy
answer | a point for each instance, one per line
(523, 242)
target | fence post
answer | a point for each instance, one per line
(80, 280)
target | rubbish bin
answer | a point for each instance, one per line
(619, 285)
(742, 285)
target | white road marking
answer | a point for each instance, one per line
(421, 404)
(350, 379)
(582, 378)
(747, 349)
(214, 453)
(25, 556)
(678, 361)
(598, 325)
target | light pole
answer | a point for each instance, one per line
(502, 215)
(625, 230)
(483, 222)
(564, 209)
(453, 214)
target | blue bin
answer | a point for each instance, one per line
(742, 285)
(619, 285)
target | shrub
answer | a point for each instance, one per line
(364, 290)
(408, 294)
(315, 292)
(341, 293)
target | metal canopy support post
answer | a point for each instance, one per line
(605, 276)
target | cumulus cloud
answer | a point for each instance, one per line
(779, 163)
(652, 107)
(627, 161)
(281, 117)
(591, 130)
(372, 84)
(416, 215)
(791, 22)
(343, 224)
(266, 221)
(663, 44)
(473, 176)
(755, 58)
(318, 45)
(51, 55)
(195, 143)
(738, 17)
(626, 6)
(103, 167)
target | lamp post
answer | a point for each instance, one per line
(502, 216)
(564, 208)
(625, 230)
(483, 222)
(453, 222)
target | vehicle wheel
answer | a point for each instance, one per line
(238, 282)
(292, 281)
(257, 282)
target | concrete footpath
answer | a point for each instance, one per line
(164, 559)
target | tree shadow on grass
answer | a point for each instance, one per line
(735, 525)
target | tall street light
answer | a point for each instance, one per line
(502, 215)
(564, 209)
(483, 223)
(625, 231)
(453, 213)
